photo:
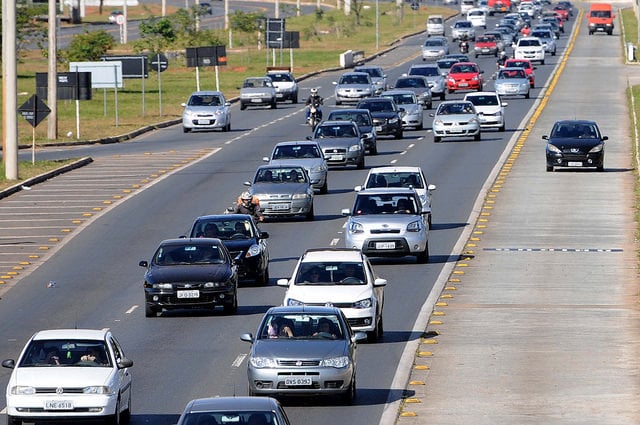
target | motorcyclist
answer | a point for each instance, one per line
(250, 205)
(502, 59)
(316, 100)
(464, 44)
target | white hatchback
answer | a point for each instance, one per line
(69, 374)
(477, 17)
(490, 109)
(342, 278)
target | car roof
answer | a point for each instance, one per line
(97, 334)
(332, 254)
(191, 241)
(423, 65)
(396, 91)
(297, 143)
(311, 309)
(336, 122)
(350, 111)
(354, 73)
(224, 217)
(481, 93)
(401, 169)
(387, 191)
(232, 404)
(206, 92)
(575, 122)
(453, 102)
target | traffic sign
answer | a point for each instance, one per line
(159, 62)
(120, 19)
(34, 110)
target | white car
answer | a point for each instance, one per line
(529, 48)
(343, 278)
(402, 177)
(69, 374)
(477, 17)
(490, 109)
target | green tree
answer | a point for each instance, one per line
(155, 34)
(88, 46)
(245, 22)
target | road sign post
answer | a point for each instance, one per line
(159, 63)
(34, 111)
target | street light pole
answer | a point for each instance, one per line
(377, 27)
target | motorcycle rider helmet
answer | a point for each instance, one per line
(245, 196)
(314, 92)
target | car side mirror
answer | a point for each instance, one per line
(605, 138)
(345, 212)
(9, 363)
(183, 104)
(282, 282)
(545, 137)
(124, 363)
(263, 235)
(246, 337)
(143, 263)
(248, 184)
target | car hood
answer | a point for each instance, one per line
(389, 221)
(487, 109)
(256, 90)
(353, 86)
(463, 75)
(62, 376)
(455, 117)
(239, 244)
(188, 273)
(323, 294)
(300, 349)
(203, 109)
(385, 115)
(568, 143)
(270, 188)
(512, 81)
(307, 163)
(337, 142)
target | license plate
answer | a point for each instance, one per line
(336, 158)
(292, 382)
(58, 405)
(385, 245)
(485, 50)
(256, 100)
(463, 85)
(279, 95)
(280, 207)
(574, 164)
(378, 128)
(204, 122)
(189, 294)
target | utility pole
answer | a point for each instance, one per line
(52, 81)
(9, 91)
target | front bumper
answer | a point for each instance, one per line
(575, 160)
(324, 380)
(342, 157)
(208, 122)
(30, 408)
(450, 130)
(286, 208)
(207, 299)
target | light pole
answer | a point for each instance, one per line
(377, 27)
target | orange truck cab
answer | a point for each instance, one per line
(600, 18)
(499, 6)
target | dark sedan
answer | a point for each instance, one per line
(575, 144)
(387, 117)
(245, 242)
(190, 274)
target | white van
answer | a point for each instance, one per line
(435, 25)
(466, 5)
(477, 17)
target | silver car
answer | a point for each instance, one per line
(362, 117)
(258, 91)
(512, 82)
(388, 222)
(341, 143)
(456, 118)
(419, 85)
(206, 110)
(435, 48)
(437, 82)
(353, 87)
(303, 351)
(283, 191)
(378, 77)
(407, 100)
(548, 40)
(234, 410)
(463, 30)
(307, 154)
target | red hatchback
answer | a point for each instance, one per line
(528, 68)
(465, 76)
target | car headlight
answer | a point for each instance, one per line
(162, 286)
(452, 80)
(553, 148)
(218, 112)
(597, 148)
(354, 148)
(368, 135)
(499, 114)
(262, 362)
(215, 284)
(438, 121)
(473, 120)
(291, 302)
(366, 303)
(189, 114)
(300, 196)
(253, 251)
(97, 389)
(414, 226)
(393, 120)
(355, 227)
(317, 169)
(22, 390)
(337, 362)
(476, 78)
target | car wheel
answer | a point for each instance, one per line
(542, 62)
(325, 187)
(360, 164)
(478, 137)
(11, 420)
(149, 312)
(549, 167)
(233, 307)
(243, 106)
(503, 128)
(528, 95)
(338, 103)
(294, 99)
(429, 221)
(442, 96)
(250, 393)
(430, 105)
(423, 257)
(553, 53)
(350, 395)
(274, 104)
(420, 126)
(436, 139)
(185, 129)
(600, 168)
(125, 418)
(451, 91)
(374, 149)
(263, 277)
(115, 418)
(398, 136)
(310, 215)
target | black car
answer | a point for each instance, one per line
(246, 243)
(386, 115)
(196, 273)
(362, 117)
(575, 144)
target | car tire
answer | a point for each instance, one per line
(423, 257)
(310, 215)
(243, 106)
(350, 395)
(528, 95)
(503, 128)
(553, 53)
(114, 419)
(442, 96)
(125, 418)
(549, 168)
(294, 99)
(600, 168)
(149, 312)
(186, 130)
(274, 104)
(436, 139)
(360, 165)
(478, 136)
(233, 307)
(451, 91)
(429, 221)
(420, 126)
(12, 420)
(542, 62)
(338, 103)
(374, 149)
(263, 277)
(398, 136)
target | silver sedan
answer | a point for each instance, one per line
(512, 82)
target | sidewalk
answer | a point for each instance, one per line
(539, 321)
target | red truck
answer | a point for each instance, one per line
(499, 6)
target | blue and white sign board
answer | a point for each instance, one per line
(104, 75)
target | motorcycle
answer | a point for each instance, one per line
(314, 115)
(464, 47)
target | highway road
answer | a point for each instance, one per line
(181, 356)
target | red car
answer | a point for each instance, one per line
(465, 76)
(562, 11)
(486, 45)
(528, 68)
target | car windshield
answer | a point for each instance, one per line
(463, 24)
(428, 71)
(411, 83)
(296, 152)
(374, 72)
(223, 229)
(455, 108)
(575, 131)
(330, 273)
(302, 326)
(205, 100)
(280, 77)
(66, 353)
(431, 42)
(511, 73)
(325, 131)
(532, 42)
(482, 100)
(281, 175)
(395, 179)
(385, 204)
(518, 64)
(463, 69)
(189, 254)
(375, 106)
(358, 117)
(257, 82)
(354, 79)
(227, 417)
(403, 99)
